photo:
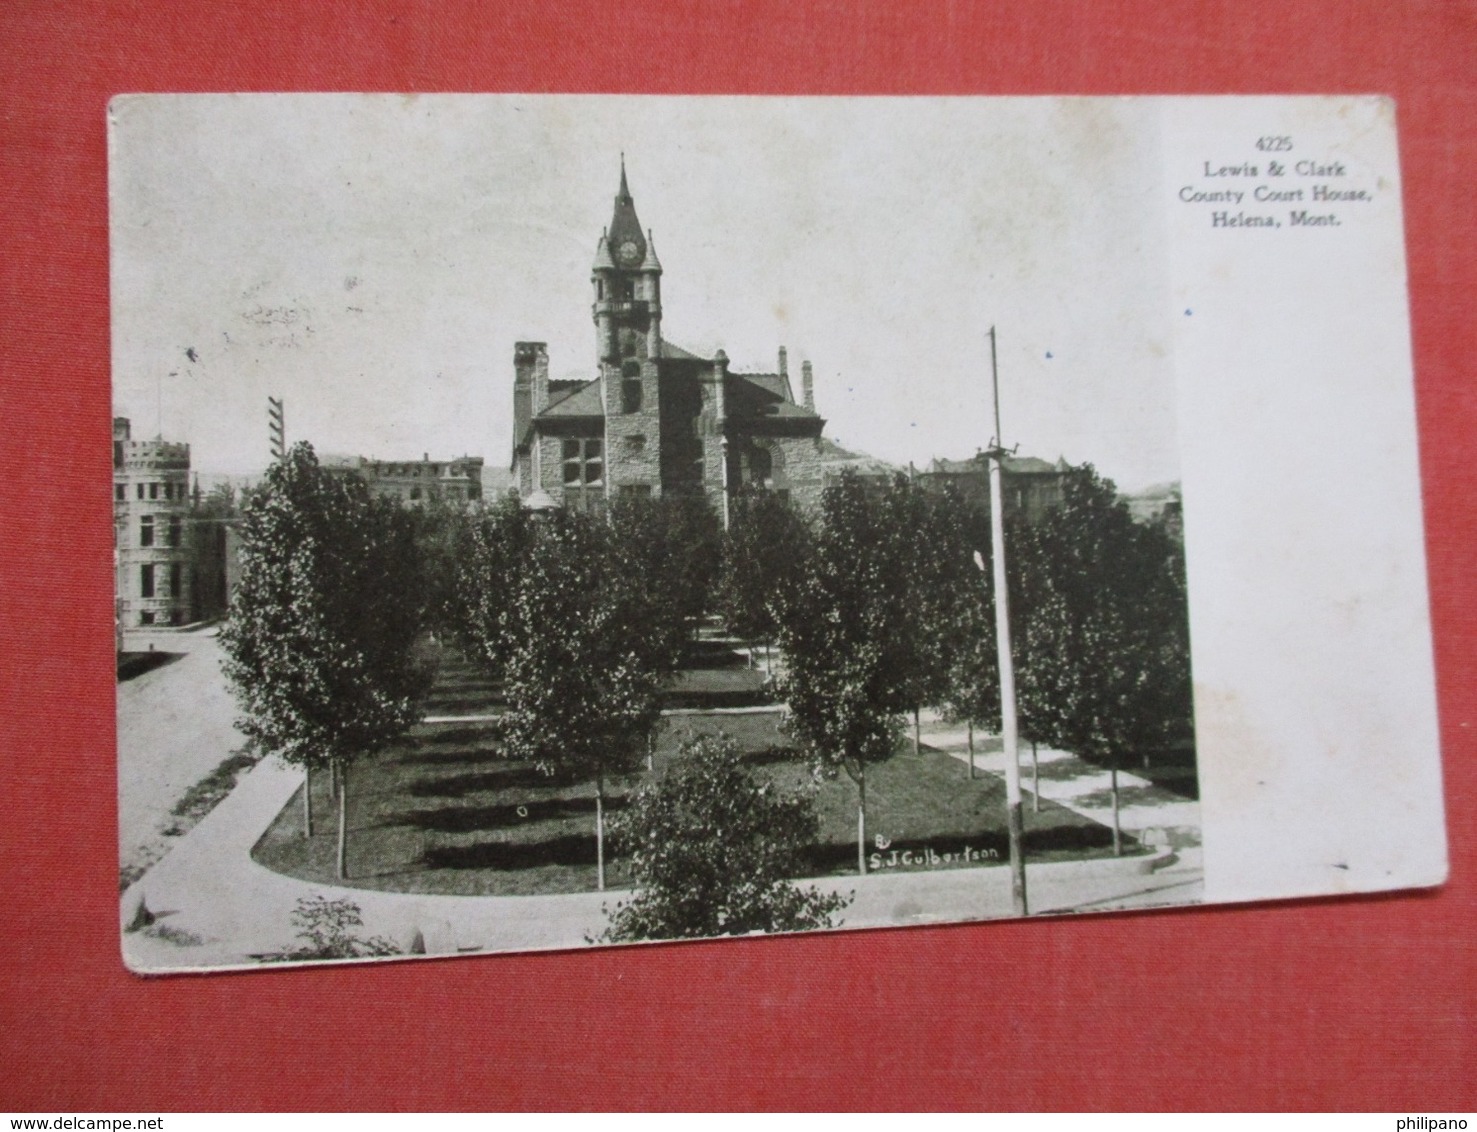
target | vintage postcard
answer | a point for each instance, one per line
(554, 521)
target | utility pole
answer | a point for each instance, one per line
(276, 427)
(1009, 731)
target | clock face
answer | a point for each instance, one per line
(629, 251)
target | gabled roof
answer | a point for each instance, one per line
(670, 350)
(582, 402)
(775, 383)
(764, 395)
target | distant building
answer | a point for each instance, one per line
(1159, 503)
(153, 540)
(1029, 487)
(656, 419)
(415, 481)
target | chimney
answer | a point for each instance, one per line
(531, 370)
(807, 384)
(784, 362)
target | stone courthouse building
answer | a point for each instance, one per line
(656, 419)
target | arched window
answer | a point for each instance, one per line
(761, 465)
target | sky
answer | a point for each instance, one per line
(372, 259)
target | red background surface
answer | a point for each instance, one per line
(1354, 1003)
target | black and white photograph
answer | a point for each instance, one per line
(545, 522)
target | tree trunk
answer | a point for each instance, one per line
(600, 830)
(651, 752)
(333, 784)
(971, 748)
(343, 823)
(1035, 780)
(1117, 835)
(307, 801)
(917, 748)
(861, 821)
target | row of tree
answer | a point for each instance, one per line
(884, 608)
(878, 607)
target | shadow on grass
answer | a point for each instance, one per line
(467, 757)
(567, 850)
(1127, 796)
(519, 777)
(467, 737)
(463, 705)
(773, 756)
(467, 819)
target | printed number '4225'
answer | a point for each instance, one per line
(1274, 144)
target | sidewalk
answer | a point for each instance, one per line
(215, 907)
(1145, 810)
(175, 725)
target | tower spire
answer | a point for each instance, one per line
(627, 240)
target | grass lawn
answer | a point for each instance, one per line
(444, 812)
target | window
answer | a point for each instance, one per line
(584, 462)
(631, 396)
(146, 580)
(636, 443)
(153, 491)
(174, 530)
(140, 491)
(174, 579)
(146, 531)
(761, 465)
(415, 493)
(120, 492)
(146, 617)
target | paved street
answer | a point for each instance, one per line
(174, 728)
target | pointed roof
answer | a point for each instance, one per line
(627, 240)
(651, 263)
(603, 262)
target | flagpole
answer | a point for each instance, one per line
(1009, 729)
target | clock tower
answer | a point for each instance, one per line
(626, 278)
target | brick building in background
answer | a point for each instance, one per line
(415, 481)
(657, 419)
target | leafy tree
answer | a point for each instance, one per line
(670, 548)
(444, 530)
(931, 573)
(972, 691)
(497, 541)
(839, 630)
(764, 553)
(327, 929)
(318, 643)
(712, 850)
(579, 675)
(1104, 629)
